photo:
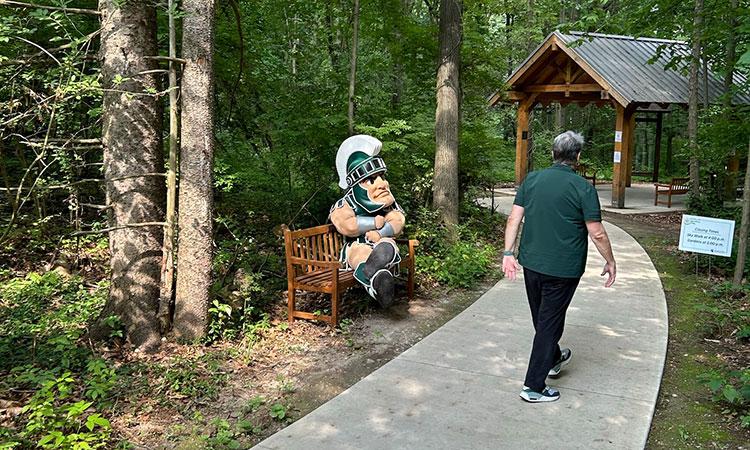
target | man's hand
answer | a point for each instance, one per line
(510, 267)
(379, 222)
(373, 235)
(611, 269)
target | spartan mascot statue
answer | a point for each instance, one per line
(368, 216)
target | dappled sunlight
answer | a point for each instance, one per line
(607, 331)
(616, 420)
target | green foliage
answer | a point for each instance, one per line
(279, 412)
(710, 203)
(200, 378)
(48, 314)
(726, 314)
(463, 262)
(731, 389)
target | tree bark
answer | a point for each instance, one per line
(167, 268)
(447, 115)
(695, 61)
(195, 249)
(739, 268)
(131, 137)
(353, 66)
(731, 47)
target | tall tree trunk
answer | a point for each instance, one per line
(695, 61)
(445, 183)
(353, 66)
(734, 161)
(195, 249)
(167, 268)
(739, 268)
(131, 136)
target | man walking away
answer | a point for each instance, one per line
(561, 209)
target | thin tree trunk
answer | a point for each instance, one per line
(693, 98)
(131, 137)
(739, 268)
(195, 249)
(445, 184)
(734, 162)
(6, 180)
(531, 24)
(668, 165)
(330, 39)
(167, 277)
(353, 66)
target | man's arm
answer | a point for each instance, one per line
(598, 235)
(510, 265)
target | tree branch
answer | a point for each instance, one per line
(166, 58)
(120, 227)
(14, 4)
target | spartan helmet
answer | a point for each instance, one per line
(357, 159)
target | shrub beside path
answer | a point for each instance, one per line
(458, 387)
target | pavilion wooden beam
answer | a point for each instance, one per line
(516, 95)
(563, 88)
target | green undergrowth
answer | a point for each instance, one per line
(691, 412)
(46, 367)
(461, 261)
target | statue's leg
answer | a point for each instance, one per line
(372, 268)
(357, 254)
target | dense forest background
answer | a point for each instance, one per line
(282, 80)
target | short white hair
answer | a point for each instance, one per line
(567, 146)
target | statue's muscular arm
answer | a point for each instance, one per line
(346, 223)
(397, 220)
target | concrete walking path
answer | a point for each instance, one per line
(458, 387)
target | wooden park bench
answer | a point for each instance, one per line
(587, 172)
(312, 264)
(677, 186)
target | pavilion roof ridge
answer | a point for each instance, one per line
(631, 70)
(624, 37)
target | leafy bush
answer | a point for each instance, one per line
(42, 320)
(733, 390)
(727, 313)
(463, 262)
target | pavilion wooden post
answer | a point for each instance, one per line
(624, 124)
(628, 142)
(657, 147)
(522, 141)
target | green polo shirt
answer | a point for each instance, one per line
(557, 204)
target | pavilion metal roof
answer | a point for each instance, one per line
(637, 68)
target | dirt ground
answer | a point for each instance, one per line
(299, 367)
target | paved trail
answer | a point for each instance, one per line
(458, 388)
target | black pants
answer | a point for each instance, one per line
(549, 298)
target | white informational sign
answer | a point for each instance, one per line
(618, 136)
(618, 155)
(706, 235)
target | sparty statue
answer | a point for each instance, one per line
(368, 216)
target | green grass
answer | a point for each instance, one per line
(686, 417)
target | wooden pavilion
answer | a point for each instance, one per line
(630, 74)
